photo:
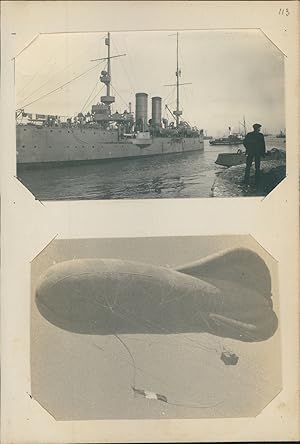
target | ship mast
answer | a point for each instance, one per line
(105, 76)
(177, 113)
(177, 84)
(107, 42)
(102, 113)
(244, 124)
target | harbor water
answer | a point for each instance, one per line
(180, 175)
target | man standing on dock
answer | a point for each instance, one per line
(255, 148)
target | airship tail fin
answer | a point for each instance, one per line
(236, 265)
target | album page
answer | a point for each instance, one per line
(149, 221)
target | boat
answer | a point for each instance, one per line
(206, 137)
(232, 139)
(103, 135)
(239, 158)
(281, 135)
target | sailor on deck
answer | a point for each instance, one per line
(255, 148)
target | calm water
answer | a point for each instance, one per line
(170, 176)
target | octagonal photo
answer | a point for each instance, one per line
(146, 115)
(155, 328)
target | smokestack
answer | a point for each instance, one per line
(141, 110)
(156, 111)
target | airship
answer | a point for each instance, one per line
(228, 294)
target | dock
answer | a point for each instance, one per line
(229, 183)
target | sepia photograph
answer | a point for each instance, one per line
(155, 328)
(138, 115)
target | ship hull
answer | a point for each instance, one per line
(226, 143)
(60, 145)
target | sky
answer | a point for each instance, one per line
(232, 73)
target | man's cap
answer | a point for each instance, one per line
(257, 125)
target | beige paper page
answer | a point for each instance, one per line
(28, 225)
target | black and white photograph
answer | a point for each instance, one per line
(149, 221)
(146, 115)
(155, 328)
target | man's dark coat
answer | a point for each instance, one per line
(255, 143)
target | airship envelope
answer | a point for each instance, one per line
(227, 294)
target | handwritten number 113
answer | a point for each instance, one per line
(284, 11)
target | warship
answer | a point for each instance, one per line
(102, 134)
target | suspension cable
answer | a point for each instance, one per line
(52, 77)
(61, 86)
(86, 102)
(92, 99)
(119, 95)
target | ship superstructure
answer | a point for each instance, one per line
(101, 134)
